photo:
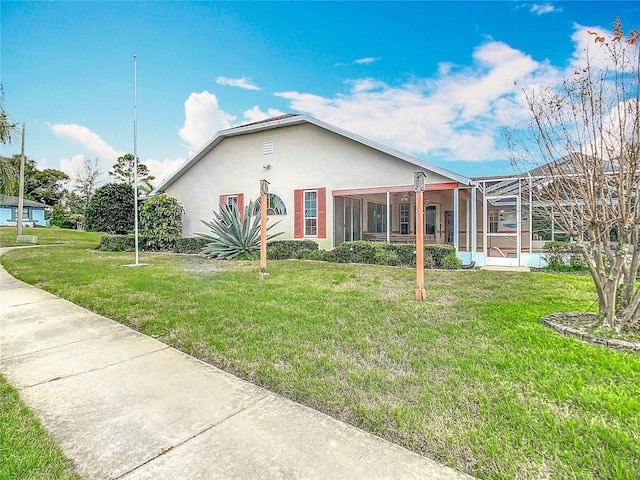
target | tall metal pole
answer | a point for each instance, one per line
(135, 159)
(21, 188)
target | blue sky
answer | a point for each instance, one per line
(432, 79)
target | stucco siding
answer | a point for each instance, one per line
(304, 156)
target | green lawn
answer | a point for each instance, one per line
(51, 236)
(26, 449)
(470, 377)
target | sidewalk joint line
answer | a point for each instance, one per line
(103, 367)
(197, 434)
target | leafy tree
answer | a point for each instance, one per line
(111, 209)
(233, 236)
(123, 172)
(160, 222)
(583, 140)
(46, 186)
(8, 175)
(61, 218)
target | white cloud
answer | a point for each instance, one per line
(256, 115)
(456, 115)
(88, 139)
(541, 9)
(72, 166)
(161, 169)
(203, 118)
(366, 60)
(238, 82)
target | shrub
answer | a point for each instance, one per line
(435, 256)
(451, 262)
(438, 253)
(189, 245)
(285, 249)
(111, 209)
(307, 254)
(160, 222)
(118, 243)
(233, 236)
(555, 254)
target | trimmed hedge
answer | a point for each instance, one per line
(119, 243)
(378, 253)
(127, 243)
(189, 245)
(285, 249)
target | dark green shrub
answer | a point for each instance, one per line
(285, 249)
(306, 254)
(111, 209)
(189, 245)
(451, 262)
(60, 218)
(555, 253)
(160, 222)
(118, 243)
(407, 255)
(438, 253)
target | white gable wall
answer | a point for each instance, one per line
(304, 156)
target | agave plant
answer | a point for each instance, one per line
(233, 236)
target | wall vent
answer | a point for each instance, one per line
(267, 148)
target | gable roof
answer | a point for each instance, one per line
(297, 119)
(11, 201)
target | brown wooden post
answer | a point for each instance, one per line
(264, 191)
(421, 293)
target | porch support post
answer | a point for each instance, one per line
(530, 214)
(388, 217)
(456, 200)
(421, 293)
(519, 222)
(485, 223)
(474, 223)
(467, 229)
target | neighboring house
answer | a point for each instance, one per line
(32, 213)
(329, 185)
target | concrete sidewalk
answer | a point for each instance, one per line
(125, 406)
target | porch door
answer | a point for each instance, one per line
(448, 227)
(502, 231)
(348, 220)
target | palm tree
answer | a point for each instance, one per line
(7, 129)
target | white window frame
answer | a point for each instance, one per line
(305, 217)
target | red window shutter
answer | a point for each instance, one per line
(222, 200)
(322, 212)
(240, 197)
(298, 209)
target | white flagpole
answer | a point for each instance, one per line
(135, 159)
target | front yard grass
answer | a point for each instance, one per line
(470, 377)
(27, 451)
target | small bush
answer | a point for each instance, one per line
(189, 245)
(285, 249)
(118, 243)
(306, 254)
(451, 262)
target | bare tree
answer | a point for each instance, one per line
(86, 181)
(582, 140)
